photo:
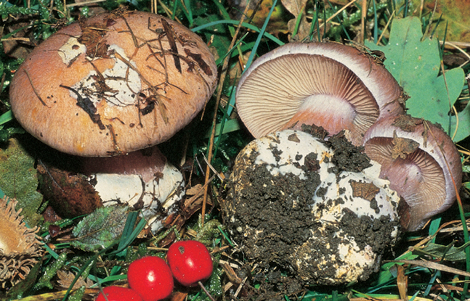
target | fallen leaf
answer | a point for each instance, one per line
(100, 229)
(414, 62)
(366, 191)
(66, 278)
(294, 6)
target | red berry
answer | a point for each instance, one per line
(189, 262)
(151, 277)
(116, 293)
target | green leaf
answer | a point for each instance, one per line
(386, 274)
(449, 253)
(414, 61)
(50, 272)
(100, 229)
(5, 117)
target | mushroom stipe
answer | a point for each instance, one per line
(111, 86)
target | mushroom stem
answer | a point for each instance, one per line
(141, 179)
(148, 163)
(338, 115)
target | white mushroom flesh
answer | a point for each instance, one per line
(158, 198)
(122, 81)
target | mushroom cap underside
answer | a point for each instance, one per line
(326, 84)
(421, 162)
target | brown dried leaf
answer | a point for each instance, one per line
(70, 194)
(402, 282)
(66, 278)
(403, 147)
(93, 38)
(294, 6)
(195, 192)
(302, 32)
(179, 296)
(230, 272)
(406, 123)
(364, 190)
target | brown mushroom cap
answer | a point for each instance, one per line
(327, 84)
(113, 84)
(414, 155)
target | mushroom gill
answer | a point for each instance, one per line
(326, 84)
(420, 161)
(19, 245)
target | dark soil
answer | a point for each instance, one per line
(271, 220)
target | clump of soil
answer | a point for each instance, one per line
(287, 214)
(348, 157)
(282, 205)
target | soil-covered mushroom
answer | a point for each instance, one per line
(291, 208)
(112, 85)
(20, 248)
(420, 161)
(327, 84)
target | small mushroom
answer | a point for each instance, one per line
(110, 86)
(20, 248)
(327, 84)
(420, 161)
(291, 208)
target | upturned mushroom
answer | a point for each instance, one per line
(420, 161)
(112, 85)
(327, 84)
(291, 208)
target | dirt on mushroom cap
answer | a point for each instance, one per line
(113, 84)
(287, 220)
(421, 162)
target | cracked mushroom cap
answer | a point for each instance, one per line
(420, 161)
(327, 84)
(113, 84)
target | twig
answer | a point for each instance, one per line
(84, 3)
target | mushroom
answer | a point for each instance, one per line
(330, 225)
(327, 84)
(420, 161)
(20, 247)
(112, 85)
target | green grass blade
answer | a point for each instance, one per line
(246, 25)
